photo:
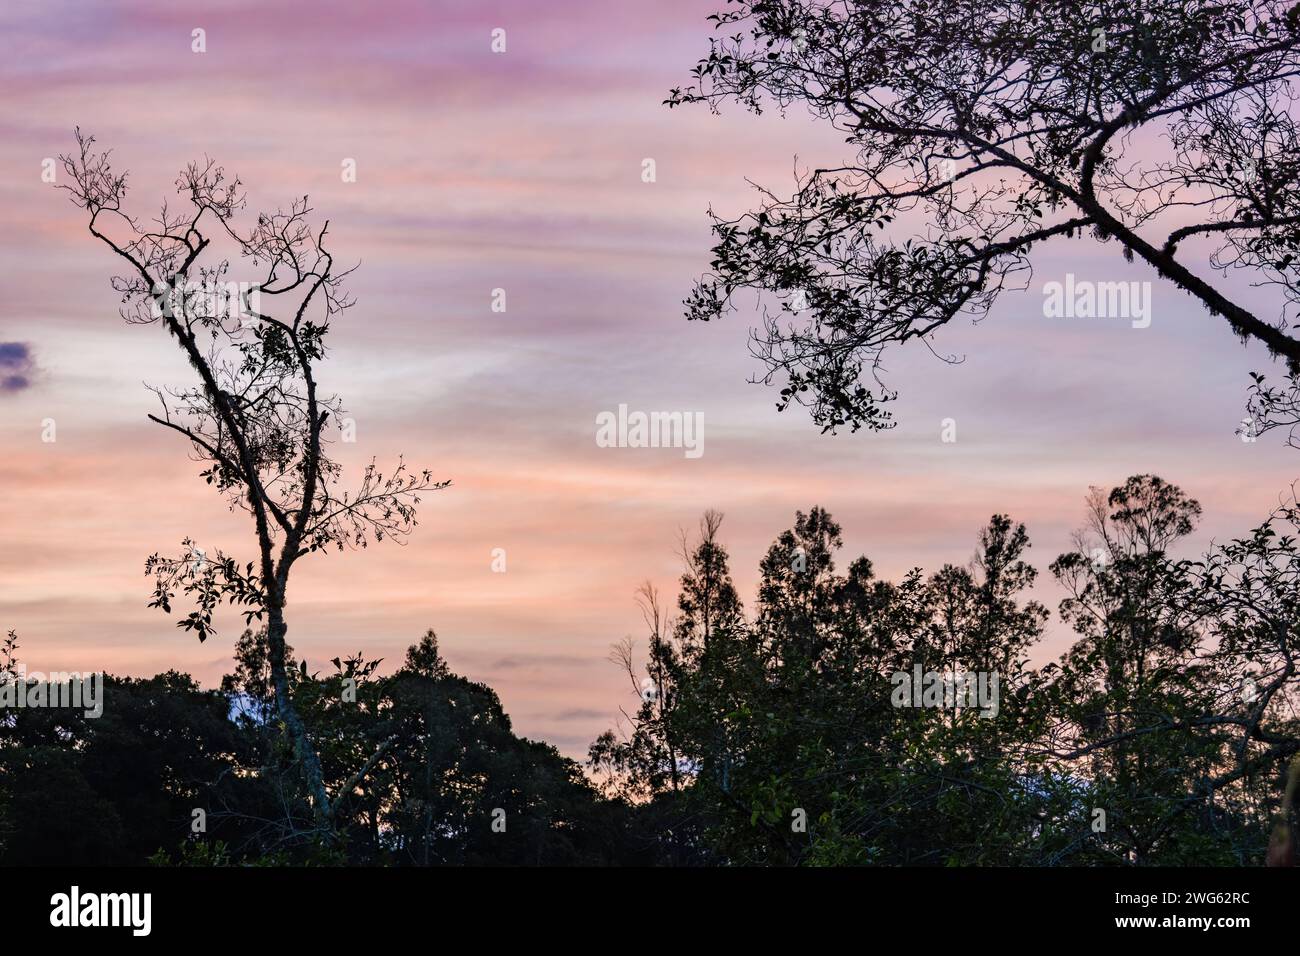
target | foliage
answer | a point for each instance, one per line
(1173, 713)
(976, 131)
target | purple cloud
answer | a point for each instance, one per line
(17, 366)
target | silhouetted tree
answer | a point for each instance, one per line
(649, 761)
(645, 762)
(980, 129)
(256, 419)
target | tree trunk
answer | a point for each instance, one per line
(306, 756)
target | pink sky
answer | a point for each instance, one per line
(520, 171)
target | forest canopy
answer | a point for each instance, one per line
(767, 734)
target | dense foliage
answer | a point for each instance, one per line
(768, 736)
(1162, 736)
(124, 788)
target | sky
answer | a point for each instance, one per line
(521, 171)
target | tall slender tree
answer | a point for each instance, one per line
(255, 417)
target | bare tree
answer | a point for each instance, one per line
(644, 761)
(982, 128)
(255, 419)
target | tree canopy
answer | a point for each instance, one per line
(773, 733)
(977, 130)
(1161, 736)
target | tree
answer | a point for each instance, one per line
(981, 129)
(1177, 703)
(255, 419)
(646, 763)
(709, 633)
(444, 765)
(688, 659)
(789, 711)
(1137, 668)
(111, 790)
(1173, 712)
(123, 788)
(1248, 591)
